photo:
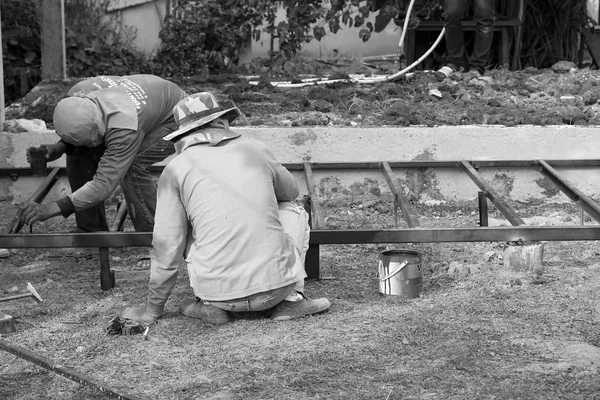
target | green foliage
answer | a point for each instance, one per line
(95, 44)
(206, 35)
(106, 49)
(20, 47)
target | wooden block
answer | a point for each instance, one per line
(527, 257)
(7, 324)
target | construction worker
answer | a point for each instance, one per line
(225, 207)
(111, 129)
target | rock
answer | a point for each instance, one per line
(490, 256)
(456, 268)
(527, 257)
(4, 253)
(494, 103)
(568, 98)
(563, 66)
(24, 125)
(7, 324)
(435, 93)
(323, 106)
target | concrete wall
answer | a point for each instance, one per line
(146, 17)
(293, 145)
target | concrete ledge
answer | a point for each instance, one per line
(333, 144)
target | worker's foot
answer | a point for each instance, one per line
(287, 310)
(444, 72)
(143, 263)
(195, 308)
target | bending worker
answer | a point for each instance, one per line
(111, 129)
(225, 208)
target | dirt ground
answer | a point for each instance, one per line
(500, 97)
(479, 330)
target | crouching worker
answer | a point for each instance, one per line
(224, 205)
(111, 129)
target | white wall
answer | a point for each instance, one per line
(593, 7)
(146, 17)
(346, 42)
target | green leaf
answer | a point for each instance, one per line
(29, 57)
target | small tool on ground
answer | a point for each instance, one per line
(32, 293)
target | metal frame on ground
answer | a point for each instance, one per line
(415, 233)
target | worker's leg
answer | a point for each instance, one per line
(139, 187)
(454, 11)
(484, 34)
(81, 168)
(294, 220)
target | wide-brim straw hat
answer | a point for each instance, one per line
(196, 110)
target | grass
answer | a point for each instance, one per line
(494, 334)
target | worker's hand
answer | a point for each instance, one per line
(32, 212)
(55, 151)
(138, 314)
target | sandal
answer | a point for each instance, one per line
(143, 263)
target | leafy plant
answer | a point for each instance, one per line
(95, 44)
(202, 36)
(106, 49)
(20, 47)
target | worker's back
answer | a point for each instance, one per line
(230, 194)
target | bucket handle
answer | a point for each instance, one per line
(404, 264)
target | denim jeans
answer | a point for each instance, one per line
(484, 33)
(294, 220)
(139, 187)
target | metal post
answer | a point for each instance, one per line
(483, 208)
(311, 264)
(107, 277)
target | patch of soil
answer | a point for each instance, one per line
(500, 97)
(478, 330)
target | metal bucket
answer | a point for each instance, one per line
(399, 273)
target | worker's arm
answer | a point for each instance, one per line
(122, 146)
(169, 241)
(284, 183)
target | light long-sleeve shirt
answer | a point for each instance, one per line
(217, 210)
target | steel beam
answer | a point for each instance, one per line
(408, 235)
(119, 221)
(500, 204)
(15, 224)
(570, 190)
(399, 198)
(16, 172)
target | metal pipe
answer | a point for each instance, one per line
(66, 372)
